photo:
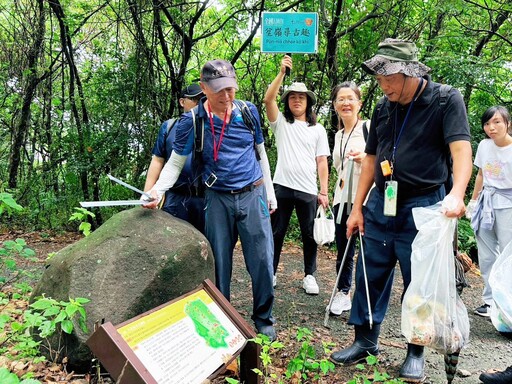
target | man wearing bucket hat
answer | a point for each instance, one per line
(302, 150)
(185, 200)
(237, 185)
(407, 158)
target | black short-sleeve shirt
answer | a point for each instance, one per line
(422, 151)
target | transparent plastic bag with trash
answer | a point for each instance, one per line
(433, 314)
(501, 285)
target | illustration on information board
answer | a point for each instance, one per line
(207, 325)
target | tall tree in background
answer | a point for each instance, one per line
(27, 75)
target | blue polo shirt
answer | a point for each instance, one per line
(236, 166)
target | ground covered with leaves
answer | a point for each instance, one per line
(300, 326)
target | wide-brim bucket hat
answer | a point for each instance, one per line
(299, 87)
(396, 56)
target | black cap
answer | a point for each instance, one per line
(191, 91)
(218, 74)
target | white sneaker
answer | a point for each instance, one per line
(340, 303)
(274, 281)
(310, 286)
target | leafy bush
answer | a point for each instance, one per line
(10, 253)
(371, 369)
(6, 377)
(466, 237)
(81, 215)
(44, 317)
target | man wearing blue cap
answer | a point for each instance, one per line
(237, 176)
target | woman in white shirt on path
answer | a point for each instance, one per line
(349, 142)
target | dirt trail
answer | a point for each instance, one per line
(293, 308)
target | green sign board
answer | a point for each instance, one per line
(284, 32)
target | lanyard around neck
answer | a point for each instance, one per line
(216, 146)
(397, 141)
(344, 149)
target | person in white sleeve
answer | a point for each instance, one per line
(491, 202)
(349, 142)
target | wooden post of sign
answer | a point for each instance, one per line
(127, 367)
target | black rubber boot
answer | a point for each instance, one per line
(413, 368)
(366, 343)
(502, 377)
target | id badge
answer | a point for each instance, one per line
(390, 198)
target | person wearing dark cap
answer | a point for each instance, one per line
(186, 199)
(413, 126)
(237, 186)
(302, 151)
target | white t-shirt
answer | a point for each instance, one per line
(496, 165)
(298, 146)
(350, 142)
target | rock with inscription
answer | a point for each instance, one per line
(134, 262)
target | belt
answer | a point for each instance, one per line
(247, 188)
(405, 193)
(416, 192)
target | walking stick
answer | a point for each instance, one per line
(366, 280)
(350, 173)
(328, 309)
(350, 176)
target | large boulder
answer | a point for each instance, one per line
(134, 262)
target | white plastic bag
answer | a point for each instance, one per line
(433, 314)
(501, 285)
(323, 228)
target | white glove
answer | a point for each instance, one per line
(166, 180)
(470, 209)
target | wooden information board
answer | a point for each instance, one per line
(185, 341)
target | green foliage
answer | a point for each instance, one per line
(8, 204)
(306, 362)
(370, 373)
(466, 236)
(10, 253)
(304, 366)
(102, 111)
(268, 349)
(44, 317)
(6, 377)
(81, 215)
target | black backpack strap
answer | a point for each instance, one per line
(444, 93)
(365, 130)
(249, 121)
(198, 133)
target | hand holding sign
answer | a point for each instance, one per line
(286, 64)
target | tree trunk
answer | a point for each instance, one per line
(21, 129)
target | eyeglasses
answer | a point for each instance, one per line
(349, 101)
